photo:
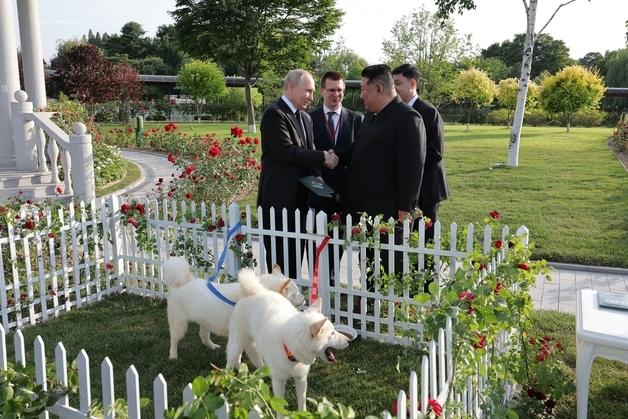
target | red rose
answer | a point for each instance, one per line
(335, 216)
(540, 395)
(172, 158)
(51, 235)
(168, 128)
(109, 266)
(140, 208)
(236, 132)
(220, 223)
(498, 244)
(356, 230)
(29, 224)
(480, 342)
(532, 341)
(255, 140)
(214, 151)
(133, 222)
(559, 346)
(549, 405)
(239, 238)
(428, 223)
(523, 266)
(192, 220)
(170, 194)
(59, 190)
(435, 407)
(40, 213)
(466, 295)
(211, 228)
(531, 392)
(188, 195)
(498, 288)
(29, 202)
(125, 208)
(190, 169)
(383, 230)
(494, 214)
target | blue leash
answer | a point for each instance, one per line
(221, 261)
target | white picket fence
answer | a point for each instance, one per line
(96, 255)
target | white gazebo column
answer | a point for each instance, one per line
(9, 81)
(32, 57)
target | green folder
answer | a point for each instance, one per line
(317, 186)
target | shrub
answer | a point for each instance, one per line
(588, 118)
(212, 170)
(108, 164)
(106, 112)
(498, 117)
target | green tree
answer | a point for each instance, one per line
(507, 92)
(446, 7)
(474, 89)
(549, 54)
(255, 36)
(342, 59)
(616, 76)
(131, 42)
(433, 45)
(495, 68)
(594, 61)
(203, 81)
(572, 89)
(167, 48)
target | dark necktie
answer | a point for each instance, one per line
(330, 126)
(300, 124)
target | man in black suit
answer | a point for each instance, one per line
(288, 154)
(335, 127)
(388, 156)
(434, 187)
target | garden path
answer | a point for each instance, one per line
(559, 294)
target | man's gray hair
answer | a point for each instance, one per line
(295, 76)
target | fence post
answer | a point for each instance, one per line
(23, 133)
(323, 263)
(232, 263)
(115, 229)
(82, 157)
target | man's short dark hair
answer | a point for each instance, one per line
(408, 71)
(379, 73)
(331, 75)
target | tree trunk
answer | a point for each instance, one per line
(524, 81)
(568, 122)
(250, 112)
(468, 119)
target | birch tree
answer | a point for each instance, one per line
(447, 7)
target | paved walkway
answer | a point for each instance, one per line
(559, 294)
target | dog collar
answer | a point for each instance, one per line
(289, 354)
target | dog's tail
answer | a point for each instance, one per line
(177, 272)
(250, 283)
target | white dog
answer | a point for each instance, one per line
(189, 299)
(288, 341)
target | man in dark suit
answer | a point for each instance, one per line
(335, 127)
(388, 156)
(434, 187)
(288, 154)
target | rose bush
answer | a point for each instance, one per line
(211, 170)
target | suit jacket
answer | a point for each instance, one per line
(286, 158)
(387, 162)
(350, 122)
(434, 187)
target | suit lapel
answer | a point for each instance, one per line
(293, 120)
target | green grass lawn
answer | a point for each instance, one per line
(133, 173)
(131, 330)
(569, 189)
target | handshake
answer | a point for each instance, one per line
(331, 159)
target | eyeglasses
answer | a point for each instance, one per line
(334, 90)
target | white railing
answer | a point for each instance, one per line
(94, 254)
(30, 130)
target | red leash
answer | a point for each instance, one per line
(319, 249)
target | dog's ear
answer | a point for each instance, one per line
(284, 287)
(276, 269)
(316, 305)
(315, 329)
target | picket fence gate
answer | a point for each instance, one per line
(95, 255)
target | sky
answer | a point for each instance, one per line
(584, 26)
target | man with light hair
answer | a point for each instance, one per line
(288, 154)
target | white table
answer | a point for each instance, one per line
(599, 332)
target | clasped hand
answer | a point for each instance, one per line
(331, 159)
